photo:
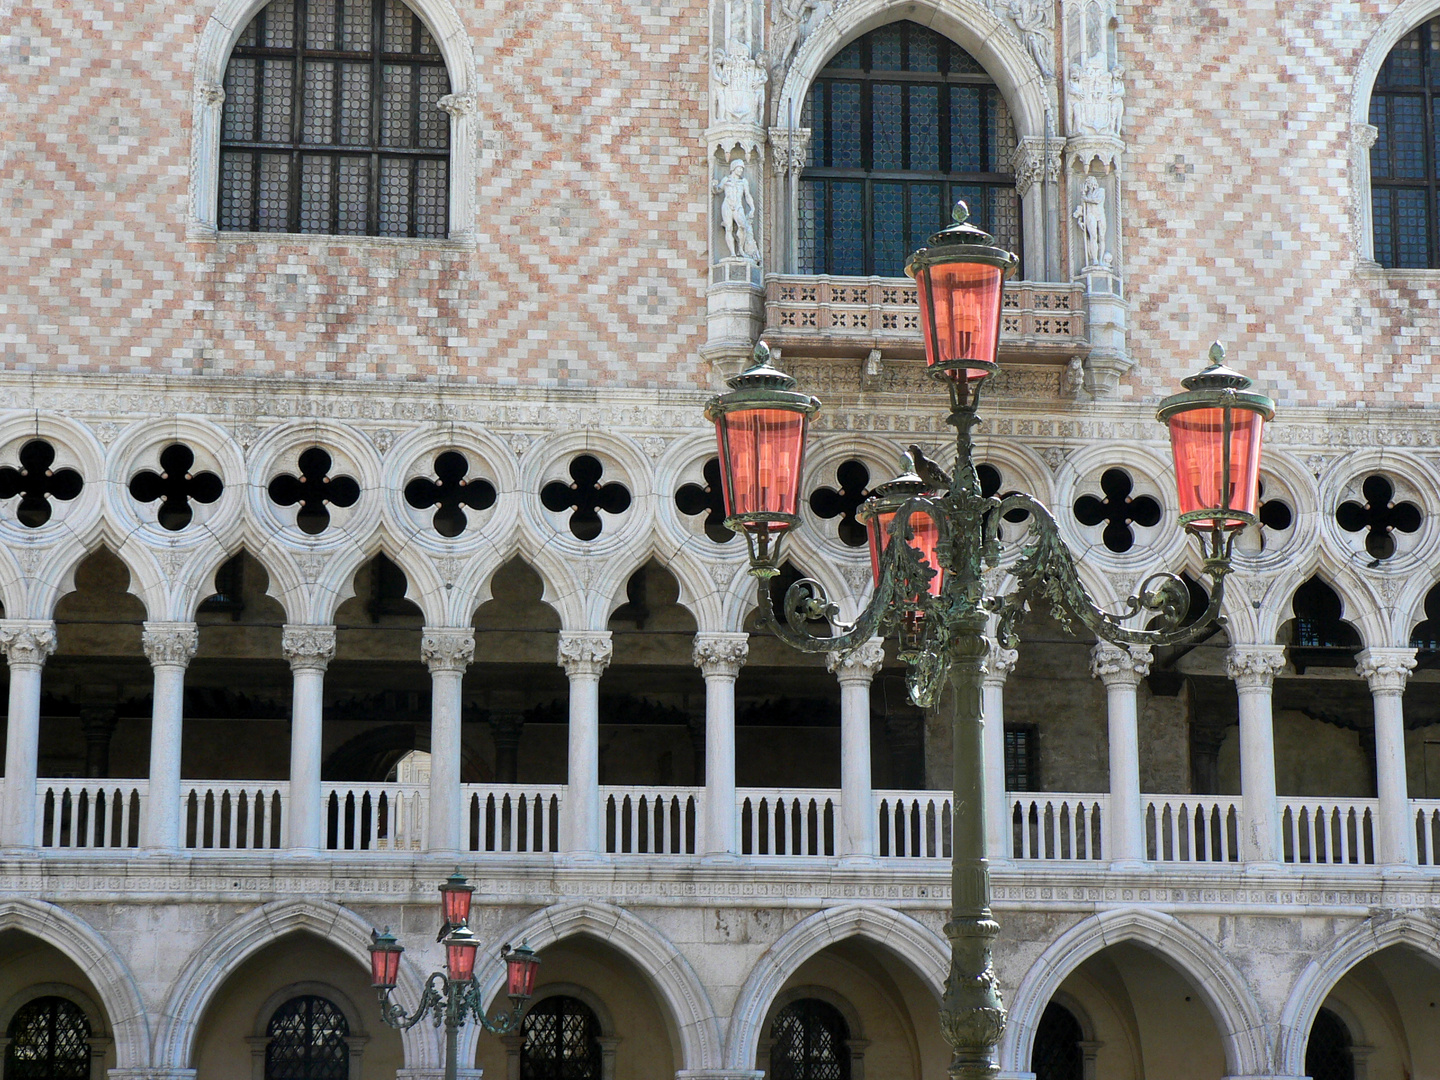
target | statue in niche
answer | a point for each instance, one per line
(1032, 20)
(1096, 97)
(740, 89)
(1090, 216)
(737, 213)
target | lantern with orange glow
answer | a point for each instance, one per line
(384, 960)
(761, 427)
(521, 965)
(1215, 432)
(878, 513)
(960, 278)
(455, 900)
(460, 948)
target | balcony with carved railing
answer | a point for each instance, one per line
(846, 316)
(527, 820)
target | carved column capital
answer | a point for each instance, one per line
(720, 654)
(789, 149)
(1364, 135)
(457, 105)
(27, 644)
(1386, 670)
(1254, 667)
(308, 648)
(1117, 665)
(209, 94)
(447, 649)
(999, 664)
(584, 652)
(861, 664)
(170, 644)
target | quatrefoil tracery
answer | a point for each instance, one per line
(450, 493)
(854, 480)
(709, 500)
(990, 484)
(314, 489)
(1119, 510)
(176, 487)
(1379, 517)
(584, 496)
(37, 483)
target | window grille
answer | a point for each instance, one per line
(331, 123)
(1022, 758)
(1057, 1054)
(1404, 179)
(562, 1041)
(1327, 1054)
(49, 1040)
(810, 1042)
(307, 1041)
(903, 122)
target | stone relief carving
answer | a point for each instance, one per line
(740, 88)
(1096, 97)
(170, 644)
(789, 149)
(457, 105)
(737, 213)
(27, 644)
(1034, 22)
(1386, 670)
(447, 650)
(1254, 666)
(1090, 216)
(308, 647)
(999, 663)
(1117, 664)
(715, 655)
(796, 21)
(861, 665)
(584, 653)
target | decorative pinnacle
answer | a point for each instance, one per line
(1217, 353)
(761, 374)
(1216, 376)
(961, 213)
(761, 355)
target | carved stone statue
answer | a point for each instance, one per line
(1090, 216)
(739, 89)
(798, 19)
(737, 213)
(1032, 20)
(1096, 97)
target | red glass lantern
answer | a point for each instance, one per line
(455, 900)
(761, 427)
(460, 948)
(384, 960)
(1215, 433)
(521, 966)
(960, 278)
(879, 513)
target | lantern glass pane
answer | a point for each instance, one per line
(460, 959)
(521, 976)
(960, 313)
(924, 542)
(384, 967)
(762, 451)
(456, 904)
(1197, 438)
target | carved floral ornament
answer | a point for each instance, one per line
(1254, 667)
(170, 644)
(1386, 670)
(27, 644)
(1112, 664)
(447, 650)
(862, 665)
(308, 647)
(584, 653)
(721, 654)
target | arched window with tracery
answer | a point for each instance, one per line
(1057, 1054)
(49, 1039)
(307, 1041)
(331, 122)
(562, 1041)
(810, 1041)
(903, 122)
(1404, 175)
(1328, 1054)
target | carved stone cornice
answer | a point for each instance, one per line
(1116, 665)
(999, 663)
(308, 648)
(448, 649)
(720, 654)
(457, 105)
(584, 653)
(27, 644)
(1254, 667)
(1386, 670)
(1084, 152)
(170, 644)
(1036, 158)
(1364, 135)
(860, 665)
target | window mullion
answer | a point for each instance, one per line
(377, 30)
(297, 120)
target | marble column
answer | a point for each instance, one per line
(1253, 669)
(998, 666)
(309, 650)
(169, 647)
(27, 646)
(584, 654)
(856, 670)
(1121, 669)
(1387, 671)
(720, 658)
(447, 653)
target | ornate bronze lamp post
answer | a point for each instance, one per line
(932, 589)
(452, 997)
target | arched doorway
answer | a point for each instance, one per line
(50, 1018)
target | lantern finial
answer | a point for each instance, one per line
(961, 213)
(1217, 353)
